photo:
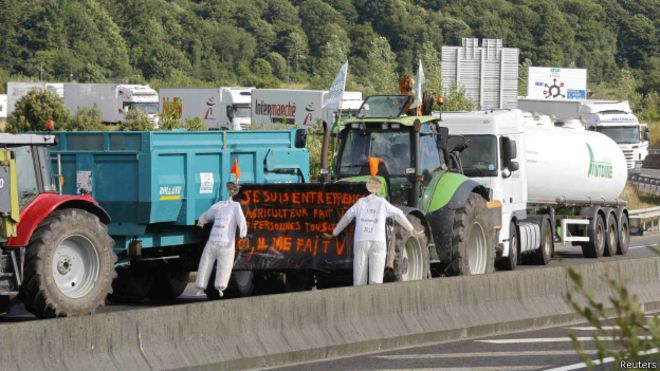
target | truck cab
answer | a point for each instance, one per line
(616, 120)
(236, 102)
(141, 98)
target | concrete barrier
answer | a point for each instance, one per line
(272, 330)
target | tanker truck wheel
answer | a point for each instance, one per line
(169, 284)
(473, 239)
(596, 245)
(511, 262)
(543, 254)
(69, 265)
(624, 236)
(411, 259)
(612, 240)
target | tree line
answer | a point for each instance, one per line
(301, 43)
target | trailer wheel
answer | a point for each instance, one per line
(596, 245)
(326, 280)
(511, 262)
(473, 239)
(169, 284)
(69, 265)
(411, 259)
(612, 241)
(543, 254)
(132, 284)
(624, 235)
(241, 284)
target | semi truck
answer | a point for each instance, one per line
(612, 118)
(3, 107)
(112, 100)
(298, 108)
(556, 184)
(222, 108)
(17, 90)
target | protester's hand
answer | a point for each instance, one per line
(418, 233)
(200, 224)
(327, 236)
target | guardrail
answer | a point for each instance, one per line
(652, 161)
(644, 220)
(654, 151)
(646, 185)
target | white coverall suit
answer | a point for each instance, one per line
(226, 216)
(370, 247)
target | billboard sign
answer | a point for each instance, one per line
(557, 83)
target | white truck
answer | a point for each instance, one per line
(113, 100)
(3, 107)
(300, 108)
(612, 118)
(17, 90)
(221, 108)
(555, 183)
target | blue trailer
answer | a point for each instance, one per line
(154, 186)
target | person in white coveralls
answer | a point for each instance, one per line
(369, 242)
(226, 216)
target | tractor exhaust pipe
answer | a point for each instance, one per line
(325, 150)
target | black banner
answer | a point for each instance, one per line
(286, 223)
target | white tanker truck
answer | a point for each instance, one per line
(556, 184)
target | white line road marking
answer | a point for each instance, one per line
(497, 368)
(604, 328)
(550, 340)
(596, 362)
(483, 354)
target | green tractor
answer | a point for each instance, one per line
(421, 176)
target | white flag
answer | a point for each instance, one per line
(418, 86)
(336, 91)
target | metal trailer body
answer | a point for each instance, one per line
(221, 108)
(17, 90)
(3, 106)
(155, 185)
(112, 100)
(570, 177)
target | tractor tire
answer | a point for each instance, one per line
(510, 262)
(612, 237)
(473, 239)
(411, 255)
(69, 265)
(132, 285)
(596, 245)
(543, 254)
(169, 285)
(624, 235)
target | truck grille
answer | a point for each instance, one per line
(630, 160)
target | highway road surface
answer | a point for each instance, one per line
(641, 246)
(547, 349)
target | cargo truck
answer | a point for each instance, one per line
(612, 118)
(3, 107)
(221, 108)
(112, 100)
(556, 184)
(17, 90)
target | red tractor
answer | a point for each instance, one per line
(56, 253)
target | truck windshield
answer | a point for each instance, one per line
(392, 147)
(242, 110)
(380, 106)
(480, 157)
(148, 108)
(621, 134)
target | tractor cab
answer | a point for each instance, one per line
(410, 147)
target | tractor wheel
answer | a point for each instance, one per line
(612, 238)
(411, 259)
(169, 285)
(596, 245)
(132, 284)
(241, 284)
(473, 239)
(624, 235)
(69, 265)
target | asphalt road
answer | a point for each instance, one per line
(547, 349)
(655, 173)
(639, 248)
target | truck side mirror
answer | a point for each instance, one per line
(511, 149)
(230, 112)
(647, 134)
(443, 136)
(514, 166)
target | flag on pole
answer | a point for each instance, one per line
(235, 170)
(335, 93)
(419, 81)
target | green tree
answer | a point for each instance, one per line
(86, 119)
(194, 124)
(381, 61)
(431, 63)
(457, 100)
(35, 108)
(136, 121)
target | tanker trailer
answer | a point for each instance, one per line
(556, 184)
